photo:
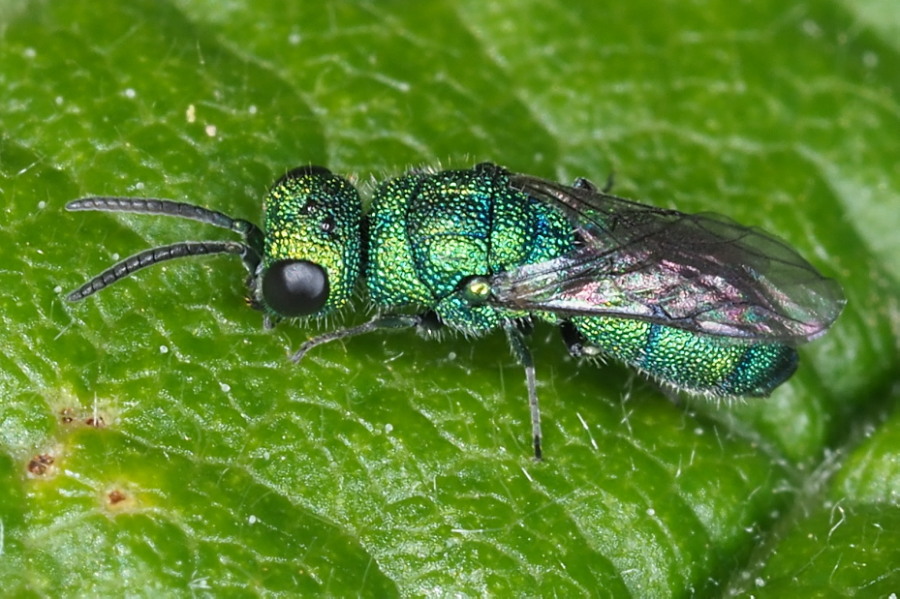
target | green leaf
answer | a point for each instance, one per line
(154, 439)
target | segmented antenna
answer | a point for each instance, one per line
(249, 251)
(251, 233)
(132, 264)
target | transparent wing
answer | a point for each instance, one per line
(699, 272)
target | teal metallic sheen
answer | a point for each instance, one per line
(430, 232)
(687, 361)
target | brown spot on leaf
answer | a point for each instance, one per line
(116, 496)
(96, 422)
(39, 464)
(119, 499)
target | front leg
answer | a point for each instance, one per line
(388, 321)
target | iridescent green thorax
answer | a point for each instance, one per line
(429, 233)
(316, 217)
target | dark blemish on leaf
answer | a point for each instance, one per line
(66, 415)
(40, 464)
(96, 422)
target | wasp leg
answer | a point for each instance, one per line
(572, 338)
(523, 355)
(582, 183)
(429, 322)
(393, 321)
(575, 342)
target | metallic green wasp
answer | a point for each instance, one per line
(697, 302)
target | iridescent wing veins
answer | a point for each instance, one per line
(699, 272)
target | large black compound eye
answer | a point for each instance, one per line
(295, 287)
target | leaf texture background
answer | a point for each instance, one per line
(154, 439)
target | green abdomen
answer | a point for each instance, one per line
(697, 363)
